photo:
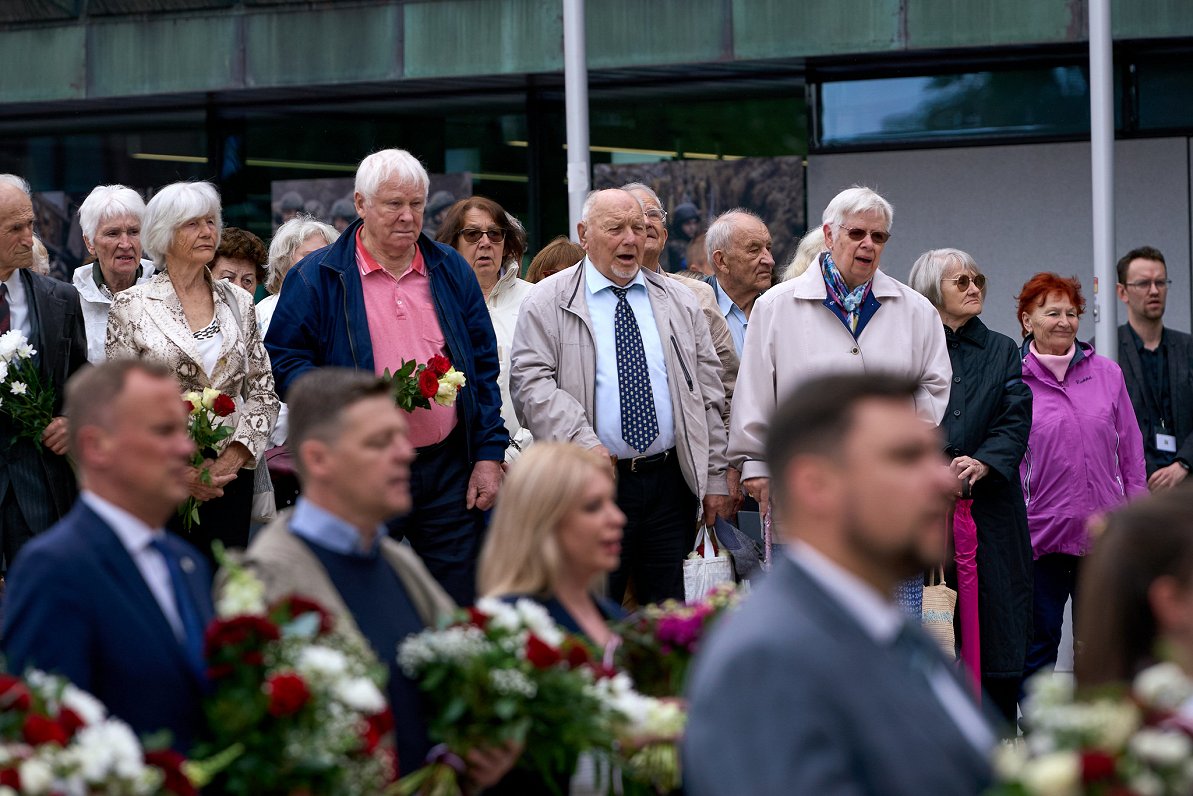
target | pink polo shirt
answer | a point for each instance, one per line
(403, 325)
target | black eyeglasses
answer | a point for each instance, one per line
(858, 235)
(962, 282)
(1147, 284)
(472, 234)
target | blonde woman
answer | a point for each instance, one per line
(555, 535)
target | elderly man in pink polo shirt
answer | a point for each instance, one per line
(385, 293)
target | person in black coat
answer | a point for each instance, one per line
(986, 428)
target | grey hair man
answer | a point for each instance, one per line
(37, 485)
(655, 405)
(1157, 366)
(739, 250)
(385, 293)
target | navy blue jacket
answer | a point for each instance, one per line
(320, 321)
(76, 605)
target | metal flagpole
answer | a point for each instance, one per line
(575, 81)
(1101, 122)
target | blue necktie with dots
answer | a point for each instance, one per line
(639, 424)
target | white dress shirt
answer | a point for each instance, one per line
(882, 620)
(136, 537)
(18, 305)
(602, 307)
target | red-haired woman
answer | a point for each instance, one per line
(1084, 454)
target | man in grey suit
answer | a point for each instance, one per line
(819, 684)
(37, 485)
(1157, 365)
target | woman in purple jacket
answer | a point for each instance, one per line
(1084, 454)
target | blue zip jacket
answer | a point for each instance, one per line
(320, 321)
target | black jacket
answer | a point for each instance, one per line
(1180, 380)
(989, 418)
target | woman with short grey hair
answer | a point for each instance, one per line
(206, 331)
(110, 218)
(985, 427)
(293, 240)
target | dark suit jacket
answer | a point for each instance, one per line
(43, 482)
(76, 605)
(1180, 379)
(791, 696)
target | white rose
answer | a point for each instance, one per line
(320, 660)
(209, 396)
(1163, 686)
(449, 384)
(360, 694)
(1057, 774)
(36, 776)
(88, 708)
(242, 594)
(1161, 748)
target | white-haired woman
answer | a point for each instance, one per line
(293, 240)
(110, 218)
(206, 331)
(808, 252)
(986, 427)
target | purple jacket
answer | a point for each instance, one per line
(1084, 454)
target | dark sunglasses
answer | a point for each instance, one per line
(857, 234)
(472, 234)
(962, 282)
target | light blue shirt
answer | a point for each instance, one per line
(602, 306)
(734, 317)
(319, 526)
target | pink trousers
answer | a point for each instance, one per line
(965, 543)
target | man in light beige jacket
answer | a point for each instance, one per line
(587, 339)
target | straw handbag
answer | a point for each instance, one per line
(939, 604)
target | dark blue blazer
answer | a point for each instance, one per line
(76, 605)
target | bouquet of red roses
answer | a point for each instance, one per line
(23, 397)
(295, 707)
(505, 673)
(58, 739)
(415, 385)
(659, 641)
(204, 427)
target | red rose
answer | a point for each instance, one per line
(376, 727)
(188, 406)
(170, 763)
(540, 654)
(14, 694)
(70, 721)
(1096, 767)
(40, 730)
(439, 364)
(223, 406)
(11, 778)
(478, 617)
(287, 693)
(239, 630)
(428, 383)
(577, 656)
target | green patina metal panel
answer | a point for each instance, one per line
(483, 37)
(964, 23)
(159, 56)
(26, 75)
(344, 45)
(633, 32)
(1145, 19)
(787, 29)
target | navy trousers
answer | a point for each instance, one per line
(1054, 579)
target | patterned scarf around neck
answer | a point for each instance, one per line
(848, 300)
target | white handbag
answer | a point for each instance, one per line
(703, 570)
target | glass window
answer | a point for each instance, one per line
(1037, 102)
(1165, 94)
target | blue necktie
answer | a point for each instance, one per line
(639, 424)
(188, 612)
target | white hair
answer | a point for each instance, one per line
(41, 257)
(286, 241)
(390, 164)
(173, 206)
(720, 232)
(928, 272)
(630, 187)
(16, 182)
(854, 201)
(108, 202)
(810, 247)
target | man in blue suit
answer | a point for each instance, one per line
(105, 597)
(819, 684)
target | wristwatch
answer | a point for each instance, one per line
(1184, 464)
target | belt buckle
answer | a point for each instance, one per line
(634, 463)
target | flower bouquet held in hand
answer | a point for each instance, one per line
(504, 674)
(415, 386)
(205, 410)
(659, 641)
(648, 731)
(1136, 742)
(23, 396)
(294, 706)
(58, 739)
